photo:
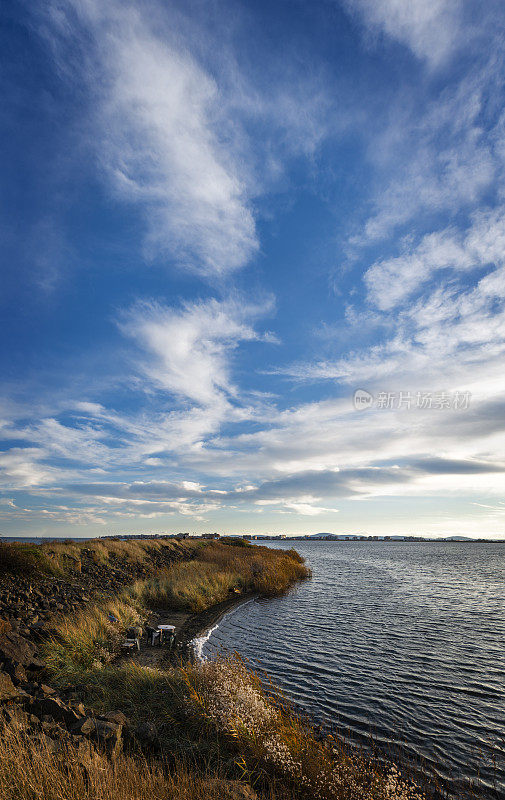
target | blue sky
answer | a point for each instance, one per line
(218, 221)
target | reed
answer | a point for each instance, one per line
(88, 640)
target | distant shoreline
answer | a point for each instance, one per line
(337, 539)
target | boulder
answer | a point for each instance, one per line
(146, 733)
(7, 689)
(84, 727)
(54, 707)
(17, 650)
(115, 716)
(108, 734)
(106, 730)
(16, 672)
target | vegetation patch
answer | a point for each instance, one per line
(32, 769)
(25, 560)
(87, 641)
(277, 748)
(217, 571)
(217, 717)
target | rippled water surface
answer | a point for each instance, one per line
(404, 641)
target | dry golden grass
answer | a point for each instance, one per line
(31, 770)
(25, 560)
(91, 638)
(87, 640)
(65, 556)
(218, 712)
(216, 571)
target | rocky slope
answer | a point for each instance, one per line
(28, 605)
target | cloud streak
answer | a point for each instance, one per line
(161, 134)
(191, 346)
(431, 29)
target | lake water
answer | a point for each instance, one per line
(401, 641)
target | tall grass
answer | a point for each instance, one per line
(216, 572)
(63, 558)
(88, 640)
(31, 769)
(25, 560)
(216, 713)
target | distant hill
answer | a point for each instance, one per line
(396, 537)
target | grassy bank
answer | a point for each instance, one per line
(65, 558)
(217, 570)
(30, 770)
(215, 722)
(91, 638)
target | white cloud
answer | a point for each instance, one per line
(434, 154)
(190, 347)
(430, 28)
(160, 133)
(390, 282)
(20, 467)
(178, 128)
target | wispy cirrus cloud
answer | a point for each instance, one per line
(170, 116)
(392, 281)
(157, 127)
(183, 360)
(431, 29)
(190, 346)
(436, 147)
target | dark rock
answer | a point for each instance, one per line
(146, 733)
(7, 689)
(78, 707)
(84, 727)
(17, 673)
(18, 650)
(105, 729)
(56, 708)
(110, 734)
(115, 716)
